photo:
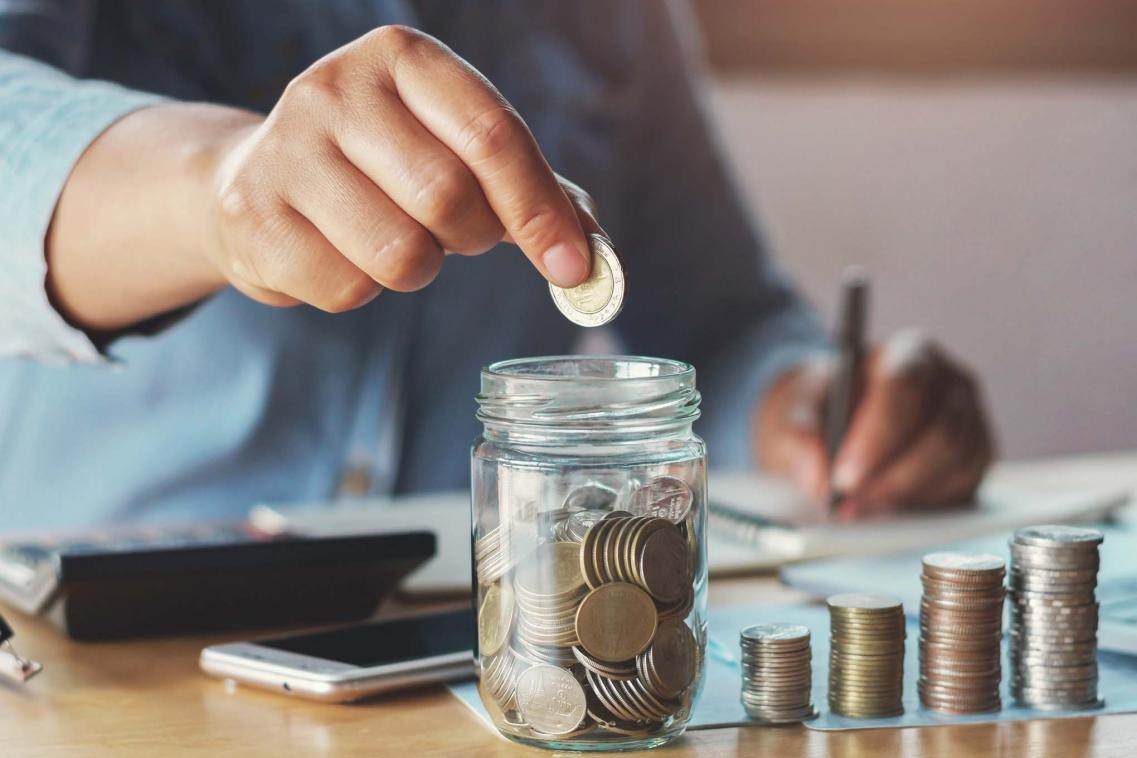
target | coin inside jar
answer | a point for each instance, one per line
(669, 662)
(616, 621)
(550, 699)
(600, 297)
(495, 618)
(663, 565)
(590, 497)
(667, 497)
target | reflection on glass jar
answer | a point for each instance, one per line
(589, 509)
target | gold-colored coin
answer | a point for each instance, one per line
(599, 298)
(671, 659)
(664, 565)
(616, 621)
(495, 619)
(553, 570)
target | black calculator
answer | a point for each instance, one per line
(152, 580)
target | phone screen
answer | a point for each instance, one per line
(383, 642)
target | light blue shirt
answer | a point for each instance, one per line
(238, 402)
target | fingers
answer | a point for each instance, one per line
(466, 114)
(789, 437)
(894, 406)
(420, 175)
(928, 445)
(942, 466)
(280, 252)
(364, 225)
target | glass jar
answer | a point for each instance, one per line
(589, 514)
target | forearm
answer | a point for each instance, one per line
(130, 236)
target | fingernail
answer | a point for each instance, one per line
(566, 266)
(846, 477)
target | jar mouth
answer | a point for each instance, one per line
(589, 368)
(587, 394)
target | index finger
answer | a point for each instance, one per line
(468, 115)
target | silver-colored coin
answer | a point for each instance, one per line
(590, 497)
(579, 522)
(599, 299)
(776, 633)
(1051, 535)
(550, 699)
(667, 497)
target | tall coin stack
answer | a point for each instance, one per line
(777, 674)
(961, 631)
(866, 655)
(587, 631)
(1054, 617)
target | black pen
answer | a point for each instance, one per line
(847, 381)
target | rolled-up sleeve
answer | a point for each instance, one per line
(47, 120)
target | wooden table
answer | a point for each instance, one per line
(148, 698)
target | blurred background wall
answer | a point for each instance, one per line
(980, 159)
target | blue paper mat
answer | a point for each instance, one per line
(719, 705)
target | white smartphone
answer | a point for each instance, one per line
(351, 662)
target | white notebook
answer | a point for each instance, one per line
(756, 523)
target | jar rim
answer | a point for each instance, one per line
(620, 368)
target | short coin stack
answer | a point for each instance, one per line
(1054, 617)
(866, 655)
(587, 630)
(549, 588)
(777, 673)
(961, 630)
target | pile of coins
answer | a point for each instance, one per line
(1054, 617)
(777, 673)
(491, 555)
(549, 587)
(866, 655)
(586, 631)
(961, 630)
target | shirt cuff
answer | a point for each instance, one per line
(50, 119)
(742, 374)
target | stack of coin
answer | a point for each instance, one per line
(777, 674)
(549, 588)
(499, 678)
(643, 550)
(961, 630)
(491, 555)
(1054, 617)
(866, 655)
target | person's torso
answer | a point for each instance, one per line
(239, 402)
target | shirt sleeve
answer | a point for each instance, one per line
(47, 120)
(711, 293)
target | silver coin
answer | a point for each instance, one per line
(590, 497)
(599, 299)
(667, 497)
(1051, 535)
(550, 699)
(775, 633)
